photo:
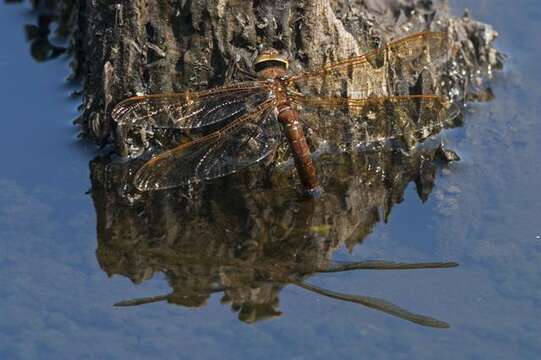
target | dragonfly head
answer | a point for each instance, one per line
(270, 64)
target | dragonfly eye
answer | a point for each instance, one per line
(270, 58)
(266, 64)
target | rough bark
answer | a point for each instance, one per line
(125, 48)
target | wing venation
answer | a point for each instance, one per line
(238, 145)
(191, 110)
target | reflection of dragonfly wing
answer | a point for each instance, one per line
(377, 304)
(167, 297)
(340, 266)
(143, 301)
(188, 110)
(388, 70)
(241, 143)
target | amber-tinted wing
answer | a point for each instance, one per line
(241, 143)
(189, 110)
(378, 119)
(389, 70)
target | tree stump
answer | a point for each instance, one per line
(125, 48)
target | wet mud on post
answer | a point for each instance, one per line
(249, 235)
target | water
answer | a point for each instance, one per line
(56, 298)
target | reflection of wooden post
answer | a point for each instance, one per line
(256, 240)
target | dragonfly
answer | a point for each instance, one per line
(248, 120)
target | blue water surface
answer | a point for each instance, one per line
(56, 302)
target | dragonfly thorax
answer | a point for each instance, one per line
(270, 64)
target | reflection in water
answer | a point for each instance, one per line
(39, 35)
(251, 240)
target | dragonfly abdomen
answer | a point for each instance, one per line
(293, 130)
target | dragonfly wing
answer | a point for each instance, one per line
(389, 70)
(190, 110)
(240, 144)
(378, 119)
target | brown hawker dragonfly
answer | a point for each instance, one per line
(248, 114)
